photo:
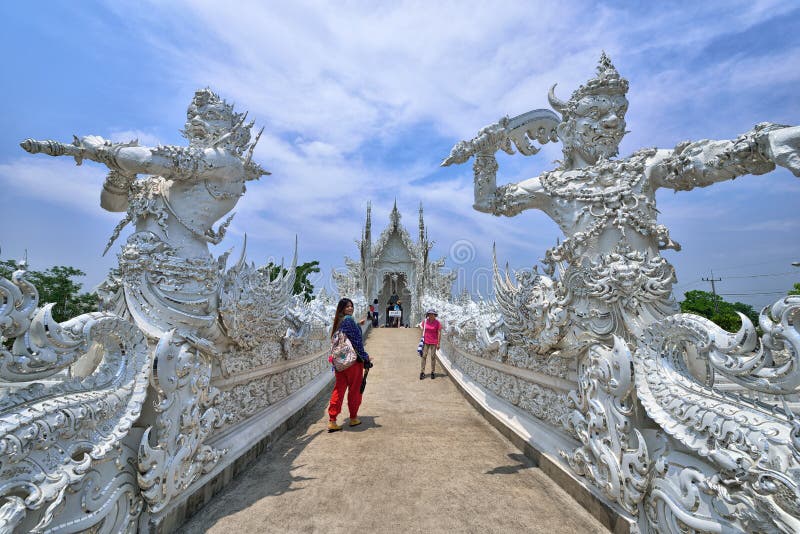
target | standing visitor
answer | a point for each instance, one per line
(374, 309)
(391, 306)
(349, 379)
(431, 336)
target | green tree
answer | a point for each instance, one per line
(302, 284)
(795, 289)
(57, 285)
(702, 303)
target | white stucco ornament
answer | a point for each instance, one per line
(58, 437)
(606, 304)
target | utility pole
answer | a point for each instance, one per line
(713, 289)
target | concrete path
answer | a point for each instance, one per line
(423, 460)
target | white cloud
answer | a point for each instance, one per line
(771, 225)
(55, 181)
(361, 101)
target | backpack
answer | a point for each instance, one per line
(343, 355)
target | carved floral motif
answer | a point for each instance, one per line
(244, 400)
(748, 451)
(614, 454)
(252, 306)
(539, 401)
(186, 416)
(55, 438)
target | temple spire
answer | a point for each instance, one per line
(395, 216)
(368, 224)
(421, 226)
(366, 253)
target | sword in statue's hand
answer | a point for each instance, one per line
(537, 125)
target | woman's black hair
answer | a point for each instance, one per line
(337, 318)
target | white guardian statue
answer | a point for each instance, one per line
(717, 461)
(176, 320)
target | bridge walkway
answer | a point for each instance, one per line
(423, 460)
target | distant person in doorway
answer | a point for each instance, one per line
(431, 336)
(397, 320)
(374, 309)
(391, 306)
(350, 379)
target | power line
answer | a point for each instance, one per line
(764, 275)
(776, 260)
(713, 288)
(784, 292)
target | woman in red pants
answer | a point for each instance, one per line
(349, 379)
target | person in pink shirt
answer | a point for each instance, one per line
(431, 336)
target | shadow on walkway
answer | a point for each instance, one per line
(523, 462)
(271, 474)
(367, 423)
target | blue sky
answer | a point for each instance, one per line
(362, 100)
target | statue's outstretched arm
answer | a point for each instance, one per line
(702, 163)
(131, 159)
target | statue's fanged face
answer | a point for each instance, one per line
(599, 125)
(211, 121)
(207, 121)
(594, 116)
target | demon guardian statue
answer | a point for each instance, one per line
(87, 450)
(715, 460)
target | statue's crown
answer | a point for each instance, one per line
(606, 82)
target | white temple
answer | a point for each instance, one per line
(394, 266)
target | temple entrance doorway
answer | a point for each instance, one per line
(394, 288)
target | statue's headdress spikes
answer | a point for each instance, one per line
(606, 82)
(207, 97)
(237, 135)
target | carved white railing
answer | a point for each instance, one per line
(67, 455)
(719, 460)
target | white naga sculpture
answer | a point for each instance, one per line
(171, 311)
(703, 459)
